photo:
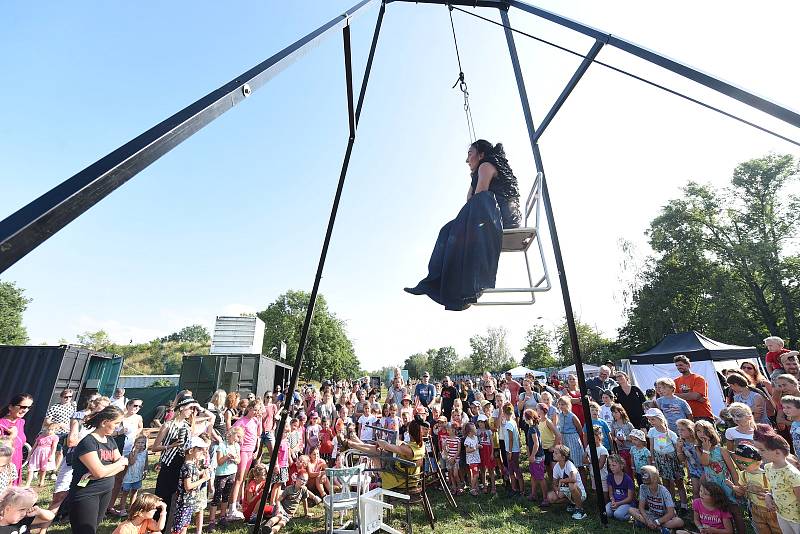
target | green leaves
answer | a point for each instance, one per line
(12, 306)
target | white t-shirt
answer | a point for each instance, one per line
(606, 415)
(601, 451)
(475, 456)
(366, 433)
(732, 434)
(569, 468)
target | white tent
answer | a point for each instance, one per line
(520, 371)
(588, 370)
(708, 358)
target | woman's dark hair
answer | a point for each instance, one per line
(109, 413)
(415, 431)
(739, 380)
(717, 494)
(15, 400)
(482, 146)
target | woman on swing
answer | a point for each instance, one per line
(465, 257)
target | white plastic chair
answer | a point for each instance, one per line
(350, 482)
(520, 240)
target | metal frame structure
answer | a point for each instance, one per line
(34, 223)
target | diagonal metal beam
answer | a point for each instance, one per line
(582, 68)
(34, 223)
(781, 112)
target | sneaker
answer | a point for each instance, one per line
(235, 515)
(579, 514)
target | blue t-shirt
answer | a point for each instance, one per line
(425, 392)
(674, 408)
(512, 427)
(795, 433)
(606, 432)
(620, 491)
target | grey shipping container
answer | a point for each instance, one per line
(44, 372)
(245, 373)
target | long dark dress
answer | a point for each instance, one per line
(465, 257)
(632, 403)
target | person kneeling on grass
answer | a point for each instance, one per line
(289, 500)
(656, 508)
(567, 484)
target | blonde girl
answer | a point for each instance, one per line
(140, 516)
(18, 510)
(550, 436)
(663, 443)
(745, 425)
(42, 457)
(547, 400)
(620, 430)
(570, 429)
(689, 454)
(718, 466)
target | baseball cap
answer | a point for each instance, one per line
(477, 404)
(653, 412)
(745, 450)
(482, 417)
(638, 434)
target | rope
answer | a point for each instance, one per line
(631, 75)
(462, 83)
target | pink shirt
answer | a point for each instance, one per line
(269, 417)
(252, 432)
(709, 518)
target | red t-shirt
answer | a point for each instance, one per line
(774, 358)
(326, 441)
(697, 384)
(514, 387)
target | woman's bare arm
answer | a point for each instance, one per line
(486, 172)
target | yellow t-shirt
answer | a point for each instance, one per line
(495, 439)
(757, 479)
(782, 481)
(548, 438)
(392, 480)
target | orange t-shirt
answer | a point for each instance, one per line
(696, 383)
(126, 527)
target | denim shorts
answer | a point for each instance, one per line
(131, 486)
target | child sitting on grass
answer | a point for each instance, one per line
(711, 511)
(140, 515)
(656, 508)
(620, 490)
(567, 484)
(289, 500)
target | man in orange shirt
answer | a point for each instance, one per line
(693, 389)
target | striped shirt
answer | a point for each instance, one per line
(176, 431)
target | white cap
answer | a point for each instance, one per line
(482, 417)
(653, 412)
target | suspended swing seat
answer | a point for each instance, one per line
(520, 240)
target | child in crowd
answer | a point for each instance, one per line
(43, 456)
(607, 398)
(567, 484)
(791, 408)
(656, 508)
(473, 457)
(620, 430)
(452, 450)
(228, 458)
(137, 465)
(288, 502)
(367, 420)
(688, 453)
(594, 410)
(640, 454)
(140, 515)
(18, 511)
(742, 416)
(663, 443)
(536, 463)
(602, 458)
(317, 481)
(754, 485)
(326, 440)
(549, 434)
(672, 407)
(718, 466)
(783, 478)
(312, 432)
(571, 430)
(8, 471)
(620, 489)
(192, 477)
(256, 481)
(711, 510)
(650, 395)
(512, 441)
(486, 440)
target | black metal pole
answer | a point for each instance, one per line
(353, 124)
(562, 275)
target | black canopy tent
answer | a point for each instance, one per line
(694, 345)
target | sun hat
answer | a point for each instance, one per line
(482, 417)
(638, 434)
(185, 402)
(653, 412)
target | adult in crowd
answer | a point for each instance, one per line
(12, 427)
(268, 423)
(119, 399)
(631, 398)
(130, 427)
(572, 391)
(503, 392)
(785, 384)
(487, 378)
(172, 441)
(252, 425)
(468, 391)
(746, 394)
(448, 394)
(528, 399)
(692, 388)
(490, 395)
(326, 408)
(77, 431)
(163, 413)
(775, 348)
(424, 392)
(97, 461)
(514, 387)
(396, 391)
(790, 364)
(216, 407)
(756, 379)
(231, 409)
(598, 384)
(59, 414)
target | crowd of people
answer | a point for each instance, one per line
(655, 449)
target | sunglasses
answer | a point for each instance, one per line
(137, 405)
(24, 406)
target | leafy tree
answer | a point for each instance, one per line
(193, 334)
(416, 364)
(442, 361)
(162, 383)
(12, 306)
(490, 352)
(536, 352)
(595, 348)
(329, 352)
(94, 340)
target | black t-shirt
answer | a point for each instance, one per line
(449, 394)
(18, 528)
(105, 452)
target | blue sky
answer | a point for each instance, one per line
(236, 215)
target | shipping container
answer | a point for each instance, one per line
(44, 372)
(152, 398)
(245, 373)
(237, 335)
(146, 381)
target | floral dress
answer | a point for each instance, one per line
(717, 471)
(188, 501)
